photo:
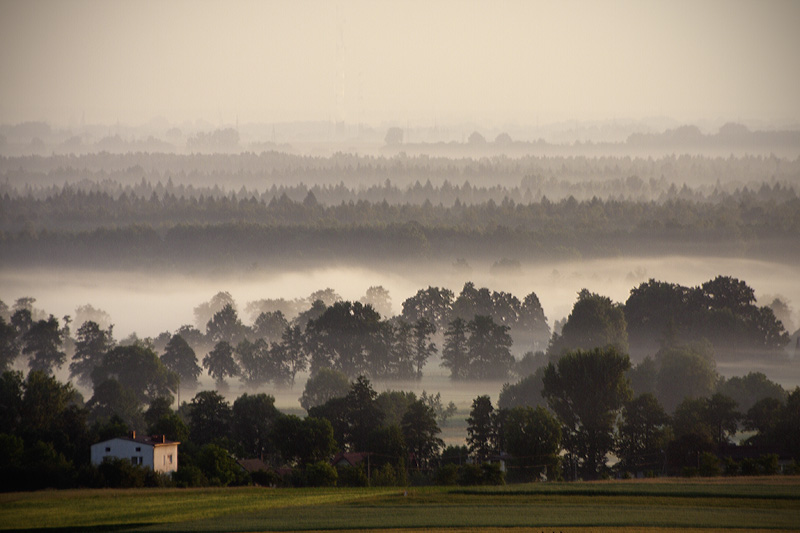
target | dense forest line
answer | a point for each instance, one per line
(277, 209)
(531, 189)
(600, 175)
(250, 234)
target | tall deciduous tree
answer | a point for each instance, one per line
(423, 347)
(687, 371)
(270, 325)
(531, 327)
(90, 346)
(642, 434)
(420, 432)
(533, 438)
(347, 337)
(181, 359)
(138, 368)
(303, 441)
(256, 363)
(489, 348)
(455, 355)
(323, 386)
(293, 355)
(723, 417)
(379, 299)
(595, 322)
(9, 347)
(586, 390)
(225, 326)
(481, 429)
(220, 363)
(433, 304)
(209, 417)
(363, 414)
(253, 420)
(42, 343)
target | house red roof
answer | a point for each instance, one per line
(348, 458)
(252, 465)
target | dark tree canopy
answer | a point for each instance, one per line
(586, 390)
(180, 358)
(323, 386)
(478, 349)
(533, 438)
(220, 363)
(270, 325)
(42, 343)
(91, 345)
(420, 432)
(253, 420)
(747, 390)
(112, 398)
(489, 349)
(595, 322)
(481, 429)
(434, 304)
(348, 337)
(209, 417)
(652, 313)
(225, 326)
(9, 347)
(642, 435)
(684, 372)
(139, 369)
(527, 392)
(722, 311)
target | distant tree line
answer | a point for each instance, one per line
(478, 332)
(396, 179)
(81, 228)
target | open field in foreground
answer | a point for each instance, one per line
(707, 505)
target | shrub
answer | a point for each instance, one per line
(265, 478)
(352, 476)
(321, 474)
(709, 465)
(384, 477)
(447, 475)
(189, 476)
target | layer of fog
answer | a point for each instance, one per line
(150, 303)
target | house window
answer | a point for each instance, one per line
(108, 449)
(169, 457)
(138, 448)
(136, 460)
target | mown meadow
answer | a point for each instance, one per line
(717, 504)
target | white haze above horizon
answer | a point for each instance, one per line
(512, 62)
(151, 303)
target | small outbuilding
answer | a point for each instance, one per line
(151, 451)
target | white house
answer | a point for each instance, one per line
(152, 451)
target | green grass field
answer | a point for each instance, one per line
(707, 505)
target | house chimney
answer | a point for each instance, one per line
(163, 439)
(133, 434)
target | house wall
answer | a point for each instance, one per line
(165, 458)
(123, 449)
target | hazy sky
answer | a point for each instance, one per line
(492, 62)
